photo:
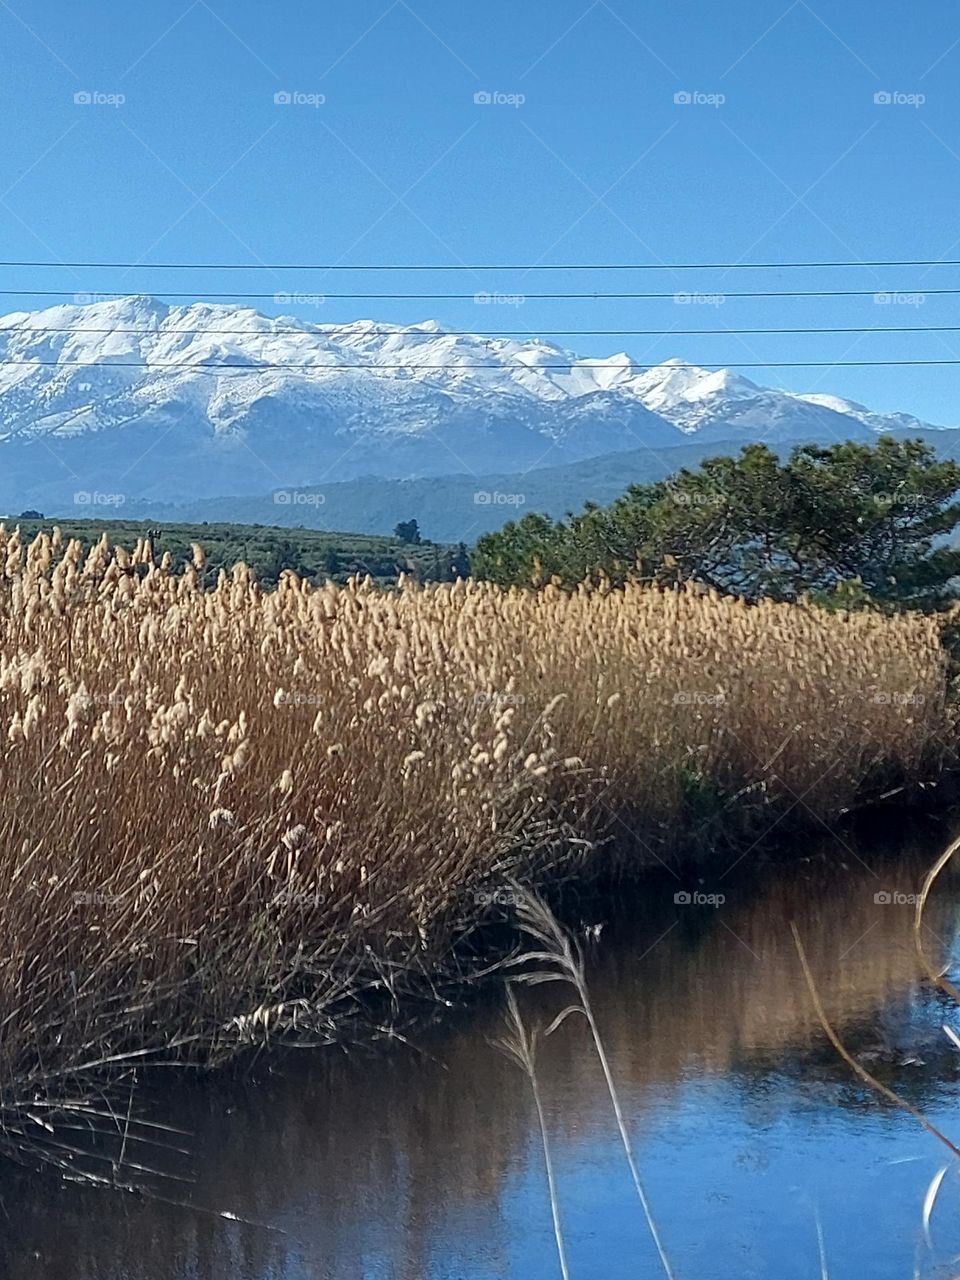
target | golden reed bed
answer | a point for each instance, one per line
(230, 815)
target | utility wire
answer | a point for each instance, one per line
(596, 296)
(491, 266)
(413, 331)
(520, 365)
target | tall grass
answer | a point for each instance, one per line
(231, 817)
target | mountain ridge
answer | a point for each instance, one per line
(223, 399)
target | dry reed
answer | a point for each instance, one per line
(520, 1046)
(233, 816)
(557, 958)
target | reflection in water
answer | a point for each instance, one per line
(424, 1162)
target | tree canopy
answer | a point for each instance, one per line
(408, 531)
(848, 522)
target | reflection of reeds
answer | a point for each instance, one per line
(933, 1190)
(821, 1249)
(521, 1047)
(851, 1061)
(563, 962)
(934, 975)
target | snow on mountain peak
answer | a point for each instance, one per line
(301, 400)
(676, 387)
(836, 403)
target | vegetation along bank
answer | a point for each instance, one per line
(232, 815)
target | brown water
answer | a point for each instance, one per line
(423, 1161)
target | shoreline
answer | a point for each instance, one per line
(586, 909)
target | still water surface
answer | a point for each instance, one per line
(423, 1162)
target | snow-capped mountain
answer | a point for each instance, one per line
(131, 397)
(731, 407)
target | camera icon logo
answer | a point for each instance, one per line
(282, 98)
(483, 98)
(682, 898)
(683, 98)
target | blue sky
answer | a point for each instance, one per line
(785, 154)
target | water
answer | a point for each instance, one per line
(423, 1161)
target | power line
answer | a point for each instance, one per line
(412, 331)
(520, 366)
(491, 266)
(483, 296)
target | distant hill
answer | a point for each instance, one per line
(461, 507)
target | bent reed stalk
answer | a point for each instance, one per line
(232, 817)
